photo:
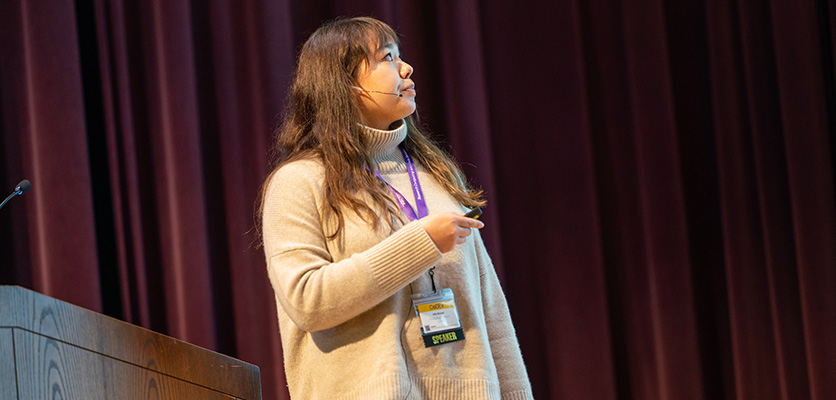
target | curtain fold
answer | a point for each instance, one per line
(660, 176)
(807, 110)
(672, 352)
(187, 109)
(43, 111)
(541, 113)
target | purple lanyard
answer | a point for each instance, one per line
(420, 202)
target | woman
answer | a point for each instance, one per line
(378, 299)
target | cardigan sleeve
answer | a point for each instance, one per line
(505, 349)
(314, 290)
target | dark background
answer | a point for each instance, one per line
(660, 175)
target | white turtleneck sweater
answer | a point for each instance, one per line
(345, 313)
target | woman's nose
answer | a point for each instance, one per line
(406, 70)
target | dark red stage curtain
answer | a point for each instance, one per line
(660, 175)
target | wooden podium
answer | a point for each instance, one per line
(50, 349)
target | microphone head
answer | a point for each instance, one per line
(23, 186)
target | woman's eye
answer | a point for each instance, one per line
(388, 57)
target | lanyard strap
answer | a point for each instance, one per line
(420, 202)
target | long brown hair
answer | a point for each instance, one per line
(320, 122)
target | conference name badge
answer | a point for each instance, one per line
(438, 317)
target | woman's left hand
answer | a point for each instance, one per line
(449, 229)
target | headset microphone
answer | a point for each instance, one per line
(375, 91)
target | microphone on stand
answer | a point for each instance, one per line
(21, 188)
(375, 91)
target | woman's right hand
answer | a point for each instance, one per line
(449, 229)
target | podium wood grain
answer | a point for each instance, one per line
(50, 349)
(8, 386)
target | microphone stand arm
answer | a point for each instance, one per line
(15, 193)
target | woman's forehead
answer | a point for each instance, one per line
(380, 37)
(385, 47)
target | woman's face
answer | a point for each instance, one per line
(387, 94)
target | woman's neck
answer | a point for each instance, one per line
(383, 144)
